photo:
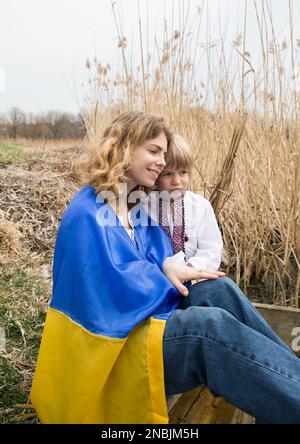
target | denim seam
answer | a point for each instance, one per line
(236, 353)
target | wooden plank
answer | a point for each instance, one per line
(199, 407)
(283, 320)
(210, 410)
(178, 413)
(171, 400)
(240, 417)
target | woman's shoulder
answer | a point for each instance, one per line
(83, 204)
(85, 196)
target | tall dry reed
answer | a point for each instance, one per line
(250, 168)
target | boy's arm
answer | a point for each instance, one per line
(176, 258)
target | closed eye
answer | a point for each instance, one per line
(158, 150)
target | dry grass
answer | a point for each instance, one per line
(251, 173)
(34, 193)
(10, 244)
(33, 203)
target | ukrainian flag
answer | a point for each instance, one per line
(101, 355)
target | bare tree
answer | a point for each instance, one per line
(3, 126)
(50, 125)
(15, 118)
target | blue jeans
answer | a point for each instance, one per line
(217, 338)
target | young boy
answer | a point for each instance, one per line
(188, 218)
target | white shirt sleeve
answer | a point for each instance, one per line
(209, 242)
(179, 258)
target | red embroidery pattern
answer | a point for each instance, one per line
(179, 237)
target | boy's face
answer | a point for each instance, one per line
(173, 180)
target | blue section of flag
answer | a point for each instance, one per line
(100, 279)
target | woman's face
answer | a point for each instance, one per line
(148, 161)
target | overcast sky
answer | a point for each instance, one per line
(44, 43)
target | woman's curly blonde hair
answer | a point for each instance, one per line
(108, 163)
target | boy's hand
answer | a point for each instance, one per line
(179, 273)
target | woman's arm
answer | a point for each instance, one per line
(178, 274)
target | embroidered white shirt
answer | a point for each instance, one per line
(204, 245)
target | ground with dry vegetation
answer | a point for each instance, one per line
(36, 184)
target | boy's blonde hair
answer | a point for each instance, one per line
(181, 155)
(108, 163)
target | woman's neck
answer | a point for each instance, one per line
(122, 211)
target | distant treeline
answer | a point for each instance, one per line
(50, 125)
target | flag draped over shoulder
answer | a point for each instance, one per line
(101, 355)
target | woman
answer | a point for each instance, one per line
(117, 323)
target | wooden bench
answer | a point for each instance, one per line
(199, 406)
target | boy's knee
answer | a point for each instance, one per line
(218, 286)
(226, 281)
(225, 284)
(211, 318)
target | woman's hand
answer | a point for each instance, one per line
(179, 273)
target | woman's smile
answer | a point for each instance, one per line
(154, 172)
